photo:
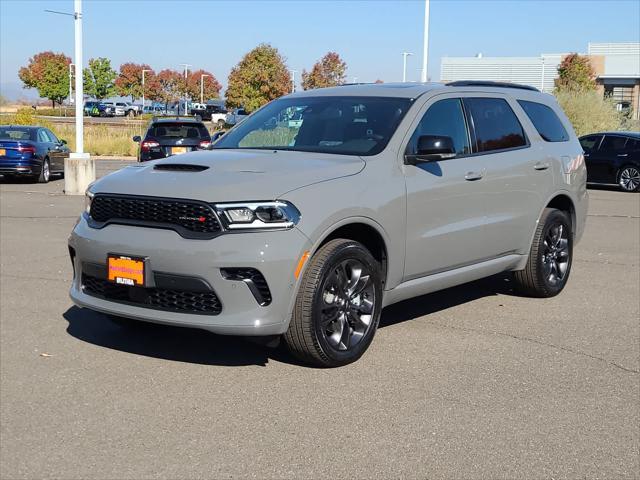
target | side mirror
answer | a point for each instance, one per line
(432, 148)
(136, 139)
(63, 141)
(217, 135)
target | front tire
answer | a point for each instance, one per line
(550, 258)
(45, 172)
(629, 178)
(338, 305)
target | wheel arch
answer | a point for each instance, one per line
(564, 203)
(364, 231)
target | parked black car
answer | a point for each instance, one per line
(613, 158)
(168, 136)
(31, 152)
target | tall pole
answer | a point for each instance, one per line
(143, 72)
(79, 92)
(425, 48)
(293, 81)
(404, 65)
(186, 70)
(202, 75)
(71, 65)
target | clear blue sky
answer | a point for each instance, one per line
(369, 34)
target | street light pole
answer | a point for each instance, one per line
(425, 48)
(71, 65)
(143, 72)
(186, 70)
(293, 80)
(404, 65)
(202, 75)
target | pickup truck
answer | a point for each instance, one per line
(214, 113)
(236, 116)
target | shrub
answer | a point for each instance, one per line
(24, 116)
(589, 112)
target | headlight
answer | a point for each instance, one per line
(88, 198)
(258, 215)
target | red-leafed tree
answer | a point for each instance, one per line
(129, 81)
(210, 85)
(170, 86)
(48, 72)
(329, 71)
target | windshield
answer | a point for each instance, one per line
(343, 125)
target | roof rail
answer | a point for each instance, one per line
(487, 83)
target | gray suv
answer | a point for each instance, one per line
(305, 231)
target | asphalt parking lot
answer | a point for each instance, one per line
(471, 382)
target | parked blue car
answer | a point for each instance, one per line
(31, 152)
(98, 109)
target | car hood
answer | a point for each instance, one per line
(230, 175)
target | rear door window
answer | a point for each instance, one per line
(546, 121)
(613, 143)
(495, 124)
(591, 142)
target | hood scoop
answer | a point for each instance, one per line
(179, 167)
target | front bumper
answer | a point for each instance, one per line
(275, 254)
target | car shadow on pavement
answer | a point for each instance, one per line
(188, 345)
(500, 284)
(201, 347)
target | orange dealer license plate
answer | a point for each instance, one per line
(178, 150)
(125, 270)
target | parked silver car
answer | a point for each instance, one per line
(378, 194)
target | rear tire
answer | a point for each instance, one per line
(629, 178)
(550, 258)
(338, 305)
(45, 172)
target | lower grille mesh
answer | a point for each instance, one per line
(157, 298)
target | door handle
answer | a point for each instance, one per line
(473, 176)
(542, 165)
(586, 154)
(623, 155)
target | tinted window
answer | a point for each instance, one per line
(496, 126)
(444, 118)
(51, 136)
(546, 121)
(175, 130)
(336, 124)
(16, 133)
(613, 143)
(43, 137)
(591, 142)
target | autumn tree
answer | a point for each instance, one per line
(261, 76)
(575, 74)
(329, 71)
(48, 72)
(129, 80)
(211, 86)
(170, 86)
(98, 79)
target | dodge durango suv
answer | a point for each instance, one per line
(304, 231)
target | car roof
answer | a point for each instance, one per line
(20, 127)
(176, 119)
(621, 134)
(414, 89)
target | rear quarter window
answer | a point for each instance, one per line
(546, 121)
(496, 126)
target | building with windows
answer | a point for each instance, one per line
(616, 65)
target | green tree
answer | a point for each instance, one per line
(588, 112)
(48, 72)
(98, 79)
(261, 76)
(329, 71)
(129, 80)
(575, 73)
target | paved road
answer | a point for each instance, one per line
(467, 383)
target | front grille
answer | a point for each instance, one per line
(172, 300)
(188, 217)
